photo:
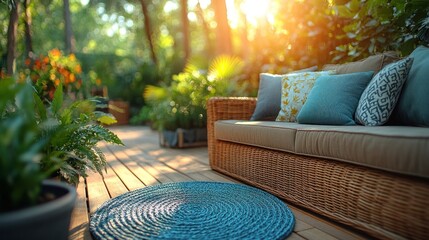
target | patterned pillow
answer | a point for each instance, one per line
(295, 88)
(269, 95)
(380, 96)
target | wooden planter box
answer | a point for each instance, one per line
(183, 138)
(121, 111)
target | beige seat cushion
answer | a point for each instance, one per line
(272, 135)
(399, 149)
(372, 63)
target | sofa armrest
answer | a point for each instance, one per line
(224, 108)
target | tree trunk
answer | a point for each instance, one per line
(69, 37)
(206, 29)
(244, 40)
(27, 22)
(11, 39)
(223, 31)
(148, 30)
(185, 25)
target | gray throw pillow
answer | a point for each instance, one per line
(269, 96)
(380, 96)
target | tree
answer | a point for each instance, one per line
(223, 31)
(148, 30)
(27, 23)
(11, 39)
(185, 26)
(69, 37)
(206, 29)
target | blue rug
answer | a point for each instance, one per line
(193, 210)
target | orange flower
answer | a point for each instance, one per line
(27, 62)
(78, 69)
(57, 82)
(72, 77)
(98, 82)
(55, 53)
(72, 57)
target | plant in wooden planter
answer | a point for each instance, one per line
(179, 110)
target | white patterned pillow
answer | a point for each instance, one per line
(295, 89)
(380, 96)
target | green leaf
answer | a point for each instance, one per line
(40, 107)
(108, 120)
(57, 102)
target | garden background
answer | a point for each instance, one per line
(151, 53)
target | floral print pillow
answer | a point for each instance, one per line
(295, 89)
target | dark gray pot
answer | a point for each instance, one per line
(45, 221)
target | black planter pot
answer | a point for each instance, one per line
(46, 221)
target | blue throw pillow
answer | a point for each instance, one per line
(413, 104)
(380, 96)
(269, 96)
(334, 98)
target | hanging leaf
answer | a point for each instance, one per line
(57, 102)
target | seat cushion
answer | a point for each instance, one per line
(400, 149)
(271, 135)
(372, 63)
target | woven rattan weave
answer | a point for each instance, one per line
(381, 203)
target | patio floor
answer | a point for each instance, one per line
(142, 162)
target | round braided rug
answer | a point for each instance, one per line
(193, 210)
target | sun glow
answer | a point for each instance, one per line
(255, 12)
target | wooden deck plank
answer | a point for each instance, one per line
(116, 161)
(97, 191)
(141, 162)
(114, 185)
(200, 177)
(218, 177)
(79, 221)
(315, 234)
(145, 162)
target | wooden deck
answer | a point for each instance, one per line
(143, 163)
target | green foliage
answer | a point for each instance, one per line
(376, 26)
(41, 141)
(22, 147)
(183, 103)
(143, 116)
(77, 137)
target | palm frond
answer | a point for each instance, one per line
(224, 67)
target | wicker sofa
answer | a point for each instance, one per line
(375, 179)
(385, 203)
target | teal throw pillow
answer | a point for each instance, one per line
(413, 105)
(269, 96)
(380, 96)
(334, 98)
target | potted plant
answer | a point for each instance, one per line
(30, 206)
(39, 142)
(179, 110)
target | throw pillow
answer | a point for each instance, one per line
(333, 99)
(269, 96)
(373, 63)
(295, 88)
(380, 96)
(413, 105)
